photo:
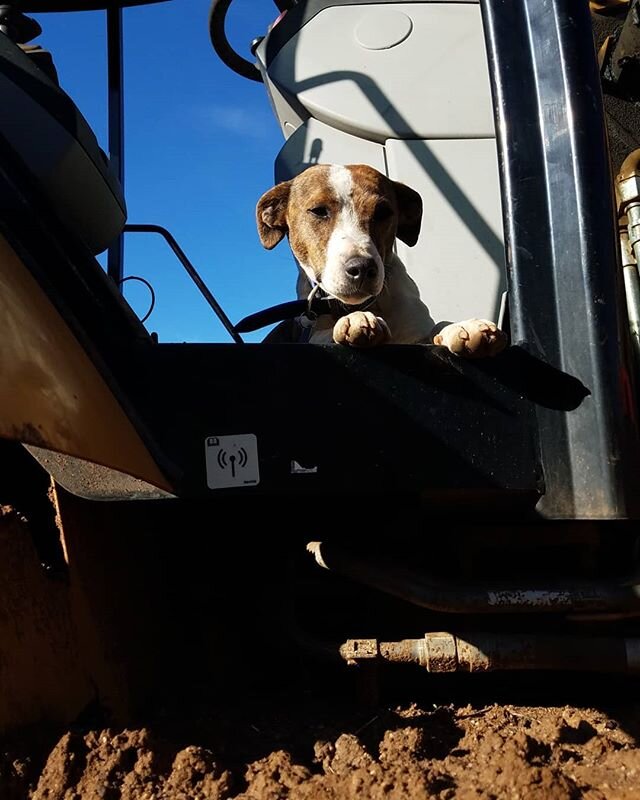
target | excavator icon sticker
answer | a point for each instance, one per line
(232, 461)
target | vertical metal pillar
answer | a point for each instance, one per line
(565, 295)
(116, 125)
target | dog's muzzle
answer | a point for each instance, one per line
(358, 279)
(361, 270)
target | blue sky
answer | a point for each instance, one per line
(200, 146)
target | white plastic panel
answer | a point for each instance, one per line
(458, 262)
(317, 143)
(404, 70)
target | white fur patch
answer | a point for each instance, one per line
(341, 182)
(349, 238)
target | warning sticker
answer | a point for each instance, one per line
(232, 461)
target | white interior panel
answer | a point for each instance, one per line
(317, 143)
(401, 70)
(458, 262)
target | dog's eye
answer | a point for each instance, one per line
(322, 212)
(383, 211)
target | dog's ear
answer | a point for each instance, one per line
(271, 215)
(409, 213)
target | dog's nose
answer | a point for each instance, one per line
(361, 268)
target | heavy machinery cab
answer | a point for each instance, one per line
(493, 111)
(433, 426)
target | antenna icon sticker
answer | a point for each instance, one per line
(232, 461)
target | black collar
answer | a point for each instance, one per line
(317, 307)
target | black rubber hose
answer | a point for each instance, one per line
(228, 56)
(428, 591)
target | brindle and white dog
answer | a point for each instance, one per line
(342, 222)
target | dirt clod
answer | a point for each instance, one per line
(324, 752)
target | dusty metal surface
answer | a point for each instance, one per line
(489, 652)
(93, 481)
(440, 652)
(51, 394)
(356, 650)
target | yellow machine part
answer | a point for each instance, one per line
(605, 6)
(51, 394)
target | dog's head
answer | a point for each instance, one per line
(341, 223)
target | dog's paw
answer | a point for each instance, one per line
(361, 329)
(473, 338)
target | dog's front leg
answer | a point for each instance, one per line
(472, 338)
(361, 329)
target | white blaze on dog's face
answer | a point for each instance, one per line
(353, 265)
(341, 223)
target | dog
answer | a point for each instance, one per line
(342, 222)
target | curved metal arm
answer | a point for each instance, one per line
(192, 272)
(227, 54)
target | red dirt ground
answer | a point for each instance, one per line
(303, 745)
(303, 736)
